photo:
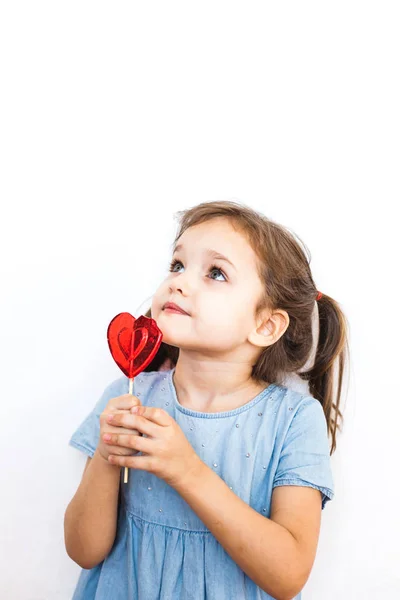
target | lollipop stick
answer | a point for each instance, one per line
(133, 358)
(126, 470)
(126, 475)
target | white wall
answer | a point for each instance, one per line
(114, 114)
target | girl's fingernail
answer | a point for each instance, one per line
(135, 409)
(107, 437)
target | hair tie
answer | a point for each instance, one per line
(319, 296)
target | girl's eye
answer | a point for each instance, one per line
(212, 268)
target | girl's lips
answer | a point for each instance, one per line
(174, 310)
(173, 307)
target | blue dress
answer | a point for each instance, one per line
(162, 550)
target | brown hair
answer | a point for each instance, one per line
(284, 267)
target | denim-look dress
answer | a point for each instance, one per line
(162, 549)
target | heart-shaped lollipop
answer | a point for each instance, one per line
(133, 344)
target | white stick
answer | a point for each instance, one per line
(126, 470)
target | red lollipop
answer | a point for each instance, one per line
(133, 344)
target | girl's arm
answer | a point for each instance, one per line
(90, 520)
(276, 554)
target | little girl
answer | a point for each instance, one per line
(229, 468)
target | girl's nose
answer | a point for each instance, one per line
(177, 288)
(183, 284)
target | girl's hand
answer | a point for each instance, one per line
(116, 406)
(168, 454)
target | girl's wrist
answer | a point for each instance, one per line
(192, 475)
(99, 459)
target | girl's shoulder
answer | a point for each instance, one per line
(298, 410)
(293, 397)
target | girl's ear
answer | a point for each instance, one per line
(269, 328)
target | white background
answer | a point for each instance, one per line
(114, 115)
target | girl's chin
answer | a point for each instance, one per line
(173, 320)
(175, 338)
(171, 340)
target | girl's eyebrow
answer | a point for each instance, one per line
(209, 252)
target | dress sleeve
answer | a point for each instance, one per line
(86, 436)
(304, 459)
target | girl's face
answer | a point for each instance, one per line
(220, 296)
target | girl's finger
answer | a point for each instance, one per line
(156, 415)
(111, 429)
(104, 417)
(125, 402)
(134, 442)
(120, 450)
(141, 463)
(133, 421)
